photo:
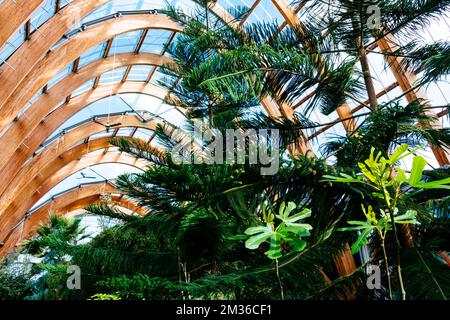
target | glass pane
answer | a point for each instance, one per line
(113, 76)
(62, 74)
(43, 14)
(88, 85)
(139, 73)
(92, 55)
(155, 40)
(126, 42)
(12, 44)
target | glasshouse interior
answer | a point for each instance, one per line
(224, 150)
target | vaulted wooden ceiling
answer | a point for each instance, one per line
(57, 57)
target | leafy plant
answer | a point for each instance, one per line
(287, 230)
(385, 182)
(104, 296)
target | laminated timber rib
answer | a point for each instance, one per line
(29, 53)
(22, 9)
(17, 148)
(63, 169)
(406, 80)
(40, 129)
(29, 179)
(66, 203)
(22, 85)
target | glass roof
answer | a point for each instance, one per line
(154, 41)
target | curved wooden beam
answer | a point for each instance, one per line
(34, 167)
(13, 15)
(30, 52)
(54, 120)
(65, 202)
(20, 86)
(55, 171)
(14, 140)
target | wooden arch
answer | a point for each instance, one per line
(51, 64)
(14, 141)
(59, 116)
(17, 91)
(56, 171)
(69, 202)
(22, 11)
(66, 203)
(34, 168)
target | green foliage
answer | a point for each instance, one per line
(288, 230)
(142, 287)
(50, 237)
(103, 296)
(201, 219)
(385, 182)
(12, 287)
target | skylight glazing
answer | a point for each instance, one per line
(39, 17)
(154, 42)
(95, 53)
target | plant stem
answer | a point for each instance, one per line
(386, 263)
(397, 245)
(364, 62)
(277, 269)
(396, 241)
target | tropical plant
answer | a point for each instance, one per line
(387, 184)
(200, 217)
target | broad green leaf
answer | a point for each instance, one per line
(360, 223)
(281, 209)
(301, 215)
(401, 176)
(410, 214)
(298, 244)
(361, 241)
(366, 172)
(255, 241)
(273, 254)
(258, 229)
(419, 164)
(290, 207)
(397, 155)
(305, 213)
(298, 227)
(274, 251)
(261, 234)
(407, 218)
(437, 184)
(353, 228)
(408, 222)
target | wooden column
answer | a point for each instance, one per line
(406, 81)
(345, 263)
